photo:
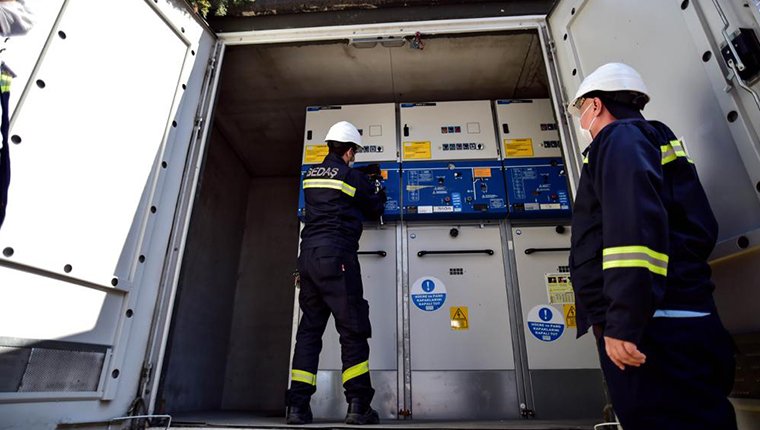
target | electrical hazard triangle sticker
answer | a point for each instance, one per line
(459, 318)
(569, 311)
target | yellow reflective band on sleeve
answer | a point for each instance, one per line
(354, 371)
(672, 151)
(333, 184)
(668, 154)
(303, 376)
(635, 256)
(5, 82)
(635, 263)
(635, 249)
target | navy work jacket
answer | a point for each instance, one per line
(642, 230)
(338, 199)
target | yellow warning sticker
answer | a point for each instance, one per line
(315, 154)
(459, 318)
(417, 150)
(518, 147)
(569, 312)
(559, 288)
(384, 174)
(482, 172)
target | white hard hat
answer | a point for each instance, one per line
(612, 77)
(344, 131)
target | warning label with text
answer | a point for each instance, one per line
(559, 288)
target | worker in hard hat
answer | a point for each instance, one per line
(338, 198)
(642, 231)
(15, 20)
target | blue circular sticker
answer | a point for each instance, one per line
(546, 323)
(428, 293)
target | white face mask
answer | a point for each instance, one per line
(586, 132)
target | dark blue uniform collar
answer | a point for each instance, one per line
(335, 159)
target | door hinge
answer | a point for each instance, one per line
(146, 374)
(551, 48)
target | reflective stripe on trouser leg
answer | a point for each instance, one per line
(303, 376)
(354, 371)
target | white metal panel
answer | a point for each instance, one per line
(50, 316)
(440, 130)
(527, 128)
(688, 94)
(379, 281)
(139, 280)
(89, 140)
(22, 52)
(376, 123)
(475, 281)
(566, 352)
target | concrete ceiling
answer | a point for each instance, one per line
(265, 89)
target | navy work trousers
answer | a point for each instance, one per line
(331, 283)
(685, 382)
(5, 155)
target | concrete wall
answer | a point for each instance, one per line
(259, 351)
(198, 345)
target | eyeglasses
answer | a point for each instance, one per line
(578, 103)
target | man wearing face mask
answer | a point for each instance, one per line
(338, 198)
(642, 231)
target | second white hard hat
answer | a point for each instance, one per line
(610, 77)
(344, 131)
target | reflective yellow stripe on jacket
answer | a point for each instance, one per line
(303, 376)
(635, 256)
(672, 151)
(5, 82)
(354, 371)
(333, 184)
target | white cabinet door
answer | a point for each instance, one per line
(104, 119)
(675, 45)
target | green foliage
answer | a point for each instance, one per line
(216, 7)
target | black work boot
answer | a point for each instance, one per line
(299, 415)
(360, 412)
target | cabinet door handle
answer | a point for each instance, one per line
(380, 253)
(456, 251)
(534, 250)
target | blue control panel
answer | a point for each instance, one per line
(537, 188)
(453, 190)
(391, 180)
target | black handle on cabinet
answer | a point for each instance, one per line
(534, 250)
(456, 251)
(380, 253)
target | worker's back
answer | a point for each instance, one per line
(338, 199)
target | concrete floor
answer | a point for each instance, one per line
(243, 420)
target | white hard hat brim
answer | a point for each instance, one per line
(610, 77)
